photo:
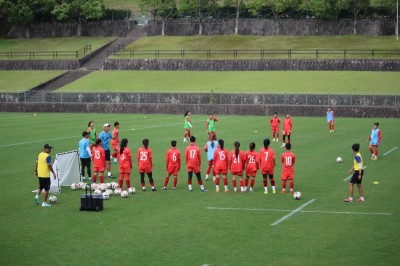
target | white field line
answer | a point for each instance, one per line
(293, 212)
(77, 136)
(386, 153)
(347, 178)
(277, 210)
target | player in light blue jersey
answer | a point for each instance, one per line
(85, 155)
(330, 117)
(375, 140)
(106, 137)
(210, 148)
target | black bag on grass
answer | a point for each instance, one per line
(91, 202)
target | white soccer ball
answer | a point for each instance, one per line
(84, 186)
(74, 186)
(81, 184)
(108, 185)
(106, 196)
(117, 191)
(124, 194)
(297, 195)
(109, 192)
(103, 187)
(339, 160)
(94, 186)
(53, 199)
(131, 190)
(114, 185)
(97, 192)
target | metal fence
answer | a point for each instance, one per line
(203, 99)
(36, 55)
(259, 54)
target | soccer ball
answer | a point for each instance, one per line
(109, 192)
(97, 192)
(84, 185)
(108, 185)
(131, 190)
(53, 199)
(94, 186)
(103, 187)
(81, 185)
(124, 194)
(117, 191)
(339, 160)
(74, 186)
(106, 196)
(297, 195)
(114, 185)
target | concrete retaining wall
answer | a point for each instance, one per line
(39, 64)
(253, 65)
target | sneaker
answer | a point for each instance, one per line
(273, 191)
(164, 188)
(217, 190)
(174, 188)
(266, 192)
(360, 200)
(153, 189)
(110, 176)
(204, 190)
(234, 189)
(291, 191)
(348, 200)
(144, 189)
(184, 140)
(36, 199)
(45, 204)
(206, 178)
(90, 179)
(283, 145)
(226, 190)
(283, 191)
(251, 189)
(374, 158)
(190, 190)
(83, 178)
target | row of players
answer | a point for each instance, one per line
(220, 162)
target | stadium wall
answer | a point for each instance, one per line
(174, 103)
(71, 64)
(254, 64)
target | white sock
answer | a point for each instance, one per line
(273, 188)
(115, 160)
(265, 188)
(190, 187)
(109, 173)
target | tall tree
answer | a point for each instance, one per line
(20, 13)
(355, 7)
(162, 9)
(79, 10)
(321, 9)
(201, 9)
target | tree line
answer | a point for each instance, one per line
(26, 12)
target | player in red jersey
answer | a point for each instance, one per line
(287, 129)
(173, 164)
(275, 123)
(221, 165)
(236, 162)
(288, 159)
(115, 141)
(193, 163)
(251, 166)
(145, 164)
(99, 161)
(125, 164)
(267, 165)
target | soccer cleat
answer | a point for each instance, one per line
(292, 191)
(36, 199)
(164, 188)
(83, 178)
(374, 158)
(234, 189)
(283, 145)
(226, 190)
(174, 188)
(89, 178)
(45, 204)
(273, 191)
(283, 191)
(144, 189)
(266, 192)
(217, 190)
(153, 189)
(204, 190)
(348, 200)
(251, 189)
(360, 200)
(190, 190)
(206, 178)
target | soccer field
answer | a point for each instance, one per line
(182, 228)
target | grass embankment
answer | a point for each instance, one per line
(18, 81)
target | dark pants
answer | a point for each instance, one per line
(86, 162)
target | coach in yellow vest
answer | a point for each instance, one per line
(43, 168)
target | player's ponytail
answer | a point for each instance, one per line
(266, 143)
(124, 143)
(212, 140)
(186, 113)
(237, 146)
(252, 146)
(145, 143)
(221, 143)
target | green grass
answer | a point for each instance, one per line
(17, 81)
(241, 42)
(175, 227)
(50, 45)
(238, 82)
(132, 5)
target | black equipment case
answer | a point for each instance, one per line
(91, 202)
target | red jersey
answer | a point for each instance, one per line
(287, 124)
(144, 158)
(125, 159)
(251, 161)
(173, 158)
(236, 164)
(115, 139)
(275, 122)
(193, 156)
(221, 159)
(267, 159)
(288, 159)
(99, 157)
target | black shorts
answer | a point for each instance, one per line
(44, 183)
(354, 178)
(107, 153)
